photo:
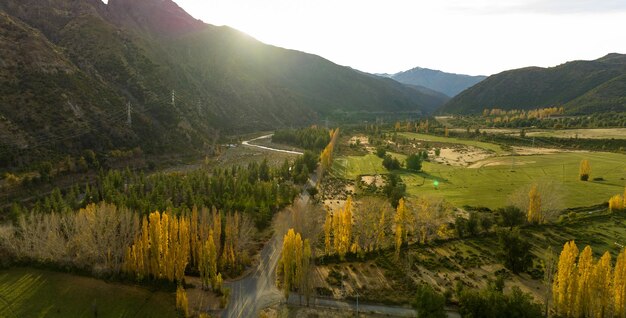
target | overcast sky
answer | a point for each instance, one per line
(461, 36)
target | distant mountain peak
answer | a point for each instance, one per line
(157, 16)
(448, 83)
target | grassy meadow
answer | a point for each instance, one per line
(27, 292)
(499, 177)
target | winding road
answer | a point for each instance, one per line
(248, 143)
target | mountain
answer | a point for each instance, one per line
(447, 83)
(581, 87)
(69, 69)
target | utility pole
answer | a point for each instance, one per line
(129, 120)
(173, 98)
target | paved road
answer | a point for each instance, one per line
(257, 290)
(247, 143)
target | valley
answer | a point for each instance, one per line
(156, 165)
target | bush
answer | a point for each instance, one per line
(381, 152)
(511, 216)
(429, 303)
(391, 163)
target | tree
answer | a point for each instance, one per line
(414, 162)
(391, 163)
(511, 216)
(534, 207)
(370, 223)
(429, 303)
(514, 251)
(381, 151)
(584, 170)
(401, 220)
(564, 286)
(338, 230)
(617, 202)
(600, 292)
(294, 263)
(585, 272)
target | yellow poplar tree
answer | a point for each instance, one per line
(564, 284)
(400, 219)
(616, 203)
(292, 264)
(600, 292)
(585, 272)
(584, 170)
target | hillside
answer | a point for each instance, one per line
(448, 83)
(581, 87)
(79, 63)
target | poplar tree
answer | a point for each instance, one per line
(584, 171)
(400, 219)
(600, 293)
(585, 271)
(564, 285)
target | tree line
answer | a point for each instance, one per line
(311, 138)
(257, 190)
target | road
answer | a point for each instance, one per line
(247, 143)
(258, 289)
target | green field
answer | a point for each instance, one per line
(479, 144)
(26, 292)
(596, 133)
(491, 185)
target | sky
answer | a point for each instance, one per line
(476, 37)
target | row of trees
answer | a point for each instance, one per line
(338, 231)
(326, 157)
(257, 190)
(373, 224)
(523, 114)
(162, 249)
(168, 243)
(107, 240)
(584, 287)
(417, 126)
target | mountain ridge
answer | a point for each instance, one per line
(581, 87)
(450, 84)
(221, 79)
